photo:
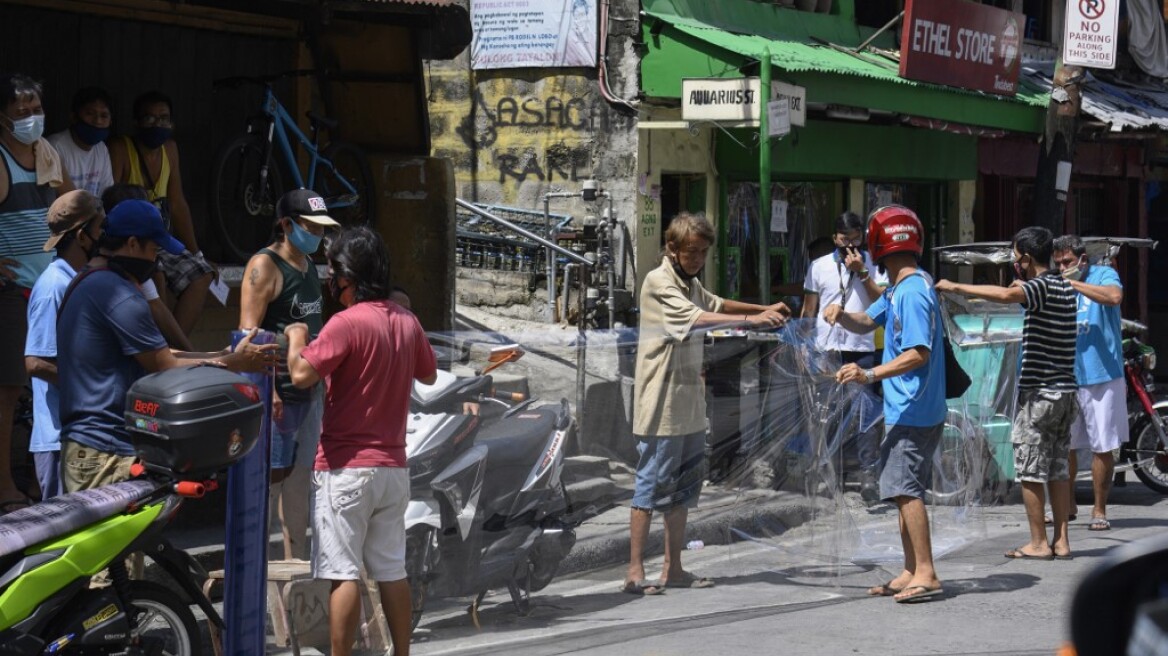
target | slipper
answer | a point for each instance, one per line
(644, 587)
(1049, 518)
(884, 590)
(12, 505)
(1097, 524)
(925, 594)
(690, 581)
(1066, 557)
(1022, 555)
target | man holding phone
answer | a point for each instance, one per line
(846, 277)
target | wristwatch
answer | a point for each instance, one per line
(864, 275)
(870, 376)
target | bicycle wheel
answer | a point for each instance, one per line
(244, 207)
(351, 164)
(165, 624)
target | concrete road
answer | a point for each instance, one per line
(779, 597)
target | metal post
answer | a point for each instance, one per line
(551, 258)
(764, 182)
(246, 550)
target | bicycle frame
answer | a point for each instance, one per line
(278, 117)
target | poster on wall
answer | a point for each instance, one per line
(533, 33)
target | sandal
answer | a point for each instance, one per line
(1099, 524)
(884, 590)
(917, 593)
(643, 588)
(690, 581)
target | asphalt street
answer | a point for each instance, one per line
(804, 593)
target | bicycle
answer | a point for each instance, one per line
(246, 182)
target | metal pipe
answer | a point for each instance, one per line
(581, 352)
(551, 260)
(878, 32)
(764, 182)
(568, 285)
(470, 207)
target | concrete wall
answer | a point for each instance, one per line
(516, 134)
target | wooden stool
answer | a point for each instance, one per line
(298, 608)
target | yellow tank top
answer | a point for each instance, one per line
(138, 175)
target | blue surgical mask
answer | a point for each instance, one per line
(28, 129)
(303, 240)
(88, 134)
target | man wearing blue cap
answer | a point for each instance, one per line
(112, 341)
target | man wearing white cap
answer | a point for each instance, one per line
(281, 287)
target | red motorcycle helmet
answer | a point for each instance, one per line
(894, 229)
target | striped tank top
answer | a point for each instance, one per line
(23, 230)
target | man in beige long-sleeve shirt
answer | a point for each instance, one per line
(669, 400)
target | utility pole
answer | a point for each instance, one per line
(764, 182)
(1052, 181)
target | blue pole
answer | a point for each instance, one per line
(246, 549)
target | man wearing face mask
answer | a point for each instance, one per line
(669, 396)
(75, 221)
(1102, 422)
(1047, 404)
(30, 178)
(847, 275)
(82, 147)
(112, 341)
(280, 288)
(150, 158)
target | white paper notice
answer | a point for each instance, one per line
(778, 216)
(220, 290)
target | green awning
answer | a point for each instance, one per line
(685, 47)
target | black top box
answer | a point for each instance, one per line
(191, 422)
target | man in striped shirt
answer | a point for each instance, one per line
(1046, 386)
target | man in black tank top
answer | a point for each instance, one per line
(281, 287)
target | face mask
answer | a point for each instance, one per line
(154, 137)
(681, 272)
(89, 135)
(1076, 272)
(303, 240)
(335, 290)
(1019, 272)
(137, 268)
(27, 130)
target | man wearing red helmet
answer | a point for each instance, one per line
(914, 389)
(1047, 391)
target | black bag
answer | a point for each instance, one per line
(956, 380)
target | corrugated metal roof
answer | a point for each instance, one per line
(797, 56)
(1122, 106)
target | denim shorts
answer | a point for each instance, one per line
(670, 471)
(906, 454)
(290, 433)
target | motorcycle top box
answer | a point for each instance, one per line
(193, 421)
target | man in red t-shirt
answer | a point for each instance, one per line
(368, 355)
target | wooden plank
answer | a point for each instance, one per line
(173, 13)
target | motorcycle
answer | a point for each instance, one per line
(490, 505)
(186, 425)
(1144, 450)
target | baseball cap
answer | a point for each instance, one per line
(305, 204)
(141, 219)
(69, 212)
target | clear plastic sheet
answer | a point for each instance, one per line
(785, 440)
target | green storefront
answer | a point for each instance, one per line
(870, 138)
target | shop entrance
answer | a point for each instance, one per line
(681, 192)
(928, 200)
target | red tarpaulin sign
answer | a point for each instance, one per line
(962, 44)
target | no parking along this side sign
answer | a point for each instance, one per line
(1090, 33)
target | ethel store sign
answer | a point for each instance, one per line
(962, 44)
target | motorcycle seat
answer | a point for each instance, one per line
(67, 513)
(517, 440)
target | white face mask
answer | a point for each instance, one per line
(1076, 272)
(27, 130)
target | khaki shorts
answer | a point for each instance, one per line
(360, 519)
(84, 468)
(1042, 435)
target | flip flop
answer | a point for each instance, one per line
(643, 588)
(1022, 555)
(1066, 557)
(884, 590)
(925, 594)
(690, 581)
(1048, 518)
(1097, 524)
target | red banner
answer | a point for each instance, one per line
(962, 44)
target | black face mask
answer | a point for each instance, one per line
(336, 290)
(137, 268)
(681, 272)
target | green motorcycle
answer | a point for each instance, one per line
(186, 425)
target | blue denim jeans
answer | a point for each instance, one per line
(670, 471)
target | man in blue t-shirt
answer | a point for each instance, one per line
(1102, 423)
(74, 220)
(913, 375)
(113, 341)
